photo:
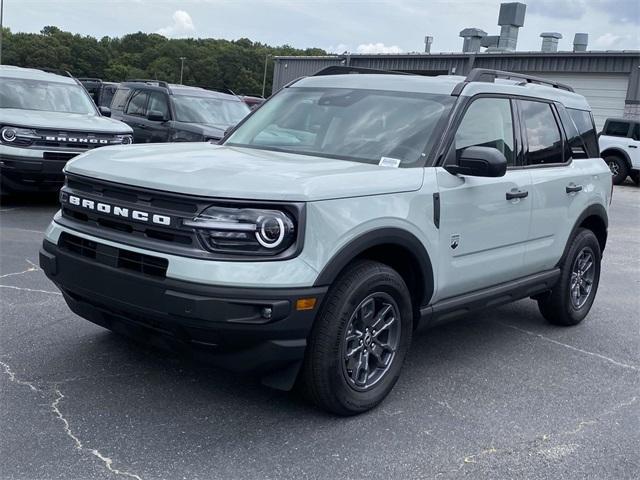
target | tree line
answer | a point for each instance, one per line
(236, 65)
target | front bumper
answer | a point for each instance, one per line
(29, 173)
(225, 325)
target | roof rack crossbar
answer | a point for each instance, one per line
(344, 69)
(489, 75)
(160, 83)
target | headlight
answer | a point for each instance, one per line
(250, 231)
(18, 136)
(125, 139)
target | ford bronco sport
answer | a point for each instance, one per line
(620, 148)
(160, 112)
(45, 120)
(337, 217)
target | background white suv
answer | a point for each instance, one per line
(620, 148)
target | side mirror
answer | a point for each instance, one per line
(156, 116)
(480, 162)
(105, 111)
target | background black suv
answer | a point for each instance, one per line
(101, 92)
(159, 112)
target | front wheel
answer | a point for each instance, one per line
(359, 340)
(571, 298)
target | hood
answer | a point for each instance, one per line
(205, 129)
(61, 121)
(222, 171)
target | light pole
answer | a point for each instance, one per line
(182, 59)
(264, 77)
(1, 14)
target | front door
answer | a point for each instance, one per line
(484, 222)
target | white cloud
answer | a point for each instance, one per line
(182, 25)
(378, 48)
(608, 40)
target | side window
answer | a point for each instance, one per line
(138, 103)
(119, 99)
(487, 123)
(587, 130)
(616, 129)
(636, 132)
(542, 133)
(158, 102)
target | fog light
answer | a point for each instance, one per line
(305, 304)
(267, 312)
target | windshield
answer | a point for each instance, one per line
(45, 96)
(209, 110)
(360, 125)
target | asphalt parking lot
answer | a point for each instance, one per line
(500, 394)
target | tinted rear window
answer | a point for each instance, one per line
(587, 130)
(616, 129)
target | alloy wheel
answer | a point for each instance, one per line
(582, 277)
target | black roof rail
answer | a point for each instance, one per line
(160, 83)
(89, 79)
(489, 75)
(344, 69)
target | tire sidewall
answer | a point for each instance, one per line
(622, 169)
(584, 238)
(382, 279)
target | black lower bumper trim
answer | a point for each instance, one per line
(255, 330)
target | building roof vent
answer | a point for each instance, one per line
(580, 42)
(428, 41)
(472, 39)
(510, 19)
(550, 41)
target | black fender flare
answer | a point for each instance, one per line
(596, 210)
(374, 238)
(617, 151)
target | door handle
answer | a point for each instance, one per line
(632, 146)
(515, 193)
(141, 126)
(573, 188)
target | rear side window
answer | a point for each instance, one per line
(542, 133)
(487, 123)
(587, 130)
(138, 104)
(120, 98)
(636, 132)
(616, 129)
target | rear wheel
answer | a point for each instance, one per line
(619, 169)
(635, 176)
(571, 299)
(359, 340)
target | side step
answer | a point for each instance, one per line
(448, 308)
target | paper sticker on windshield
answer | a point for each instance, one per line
(389, 162)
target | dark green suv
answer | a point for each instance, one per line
(160, 112)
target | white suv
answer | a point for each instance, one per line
(336, 218)
(620, 147)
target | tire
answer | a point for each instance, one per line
(635, 176)
(366, 288)
(619, 169)
(560, 306)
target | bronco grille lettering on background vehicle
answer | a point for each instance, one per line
(115, 210)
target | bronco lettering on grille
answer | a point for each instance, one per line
(115, 210)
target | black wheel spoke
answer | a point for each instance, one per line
(371, 340)
(582, 277)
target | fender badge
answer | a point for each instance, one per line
(455, 241)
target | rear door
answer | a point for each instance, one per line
(558, 182)
(135, 115)
(484, 222)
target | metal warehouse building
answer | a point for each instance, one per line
(610, 80)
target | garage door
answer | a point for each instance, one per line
(605, 93)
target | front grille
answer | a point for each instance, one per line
(58, 155)
(151, 202)
(73, 140)
(114, 257)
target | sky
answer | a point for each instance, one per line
(374, 26)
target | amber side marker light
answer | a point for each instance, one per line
(305, 304)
